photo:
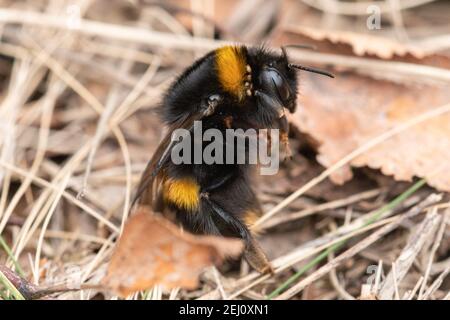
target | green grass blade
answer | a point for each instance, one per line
(376, 216)
(3, 294)
(11, 256)
(9, 286)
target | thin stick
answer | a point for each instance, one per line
(394, 276)
(437, 242)
(414, 290)
(360, 8)
(378, 277)
(160, 39)
(321, 207)
(66, 195)
(406, 258)
(351, 252)
(436, 284)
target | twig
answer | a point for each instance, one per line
(68, 196)
(355, 249)
(409, 253)
(378, 276)
(395, 281)
(437, 242)
(119, 32)
(381, 69)
(336, 284)
(415, 289)
(154, 38)
(20, 287)
(30, 291)
(321, 207)
(436, 284)
(219, 283)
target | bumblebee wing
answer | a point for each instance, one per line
(154, 171)
(145, 186)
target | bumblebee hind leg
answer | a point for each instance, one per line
(253, 252)
(256, 257)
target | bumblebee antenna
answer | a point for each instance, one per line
(313, 70)
(297, 66)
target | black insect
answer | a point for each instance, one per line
(233, 87)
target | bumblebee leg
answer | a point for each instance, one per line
(268, 102)
(216, 185)
(256, 257)
(228, 121)
(284, 137)
(248, 83)
(209, 106)
(239, 228)
(269, 109)
(253, 253)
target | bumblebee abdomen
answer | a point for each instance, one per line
(182, 193)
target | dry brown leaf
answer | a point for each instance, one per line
(153, 251)
(361, 44)
(345, 113)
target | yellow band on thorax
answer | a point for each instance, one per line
(231, 68)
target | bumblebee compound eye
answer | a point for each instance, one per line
(275, 85)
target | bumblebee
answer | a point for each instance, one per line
(232, 87)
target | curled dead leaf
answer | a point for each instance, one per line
(361, 44)
(345, 114)
(153, 251)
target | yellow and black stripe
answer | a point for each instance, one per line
(231, 66)
(183, 193)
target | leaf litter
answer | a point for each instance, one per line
(382, 82)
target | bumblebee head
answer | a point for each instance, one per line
(258, 73)
(276, 83)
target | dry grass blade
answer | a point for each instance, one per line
(71, 198)
(322, 207)
(81, 83)
(355, 249)
(406, 258)
(8, 279)
(440, 234)
(138, 35)
(436, 284)
(316, 246)
(119, 32)
(364, 148)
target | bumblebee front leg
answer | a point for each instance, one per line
(284, 136)
(283, 125)
(209, 105)
(217, 184)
